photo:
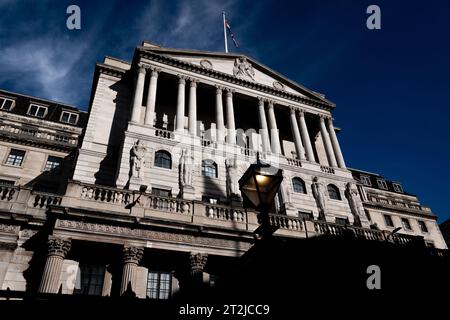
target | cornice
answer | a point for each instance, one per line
(110, 70)
(232, 79)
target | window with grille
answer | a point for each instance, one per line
(388, 220)
(69, 117)
(53, 163)
(161, 192)
(365, 180)
(298, 185)
(163, 159)
(398, 187)
(209, 169)
(4, 182)
(382, 184)
(6, 104)
(333, 192)
(92, 277)
(37, 111)
(159, 285)
(15, 157)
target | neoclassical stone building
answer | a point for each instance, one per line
(146, 196)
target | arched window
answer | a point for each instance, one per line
(298, 185)
(209, 169)
(163, 159)
(333, 192)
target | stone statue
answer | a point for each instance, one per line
(232, 178)
(285, 189)
(137, 159)
(186, 163)
(351, 193)
(319, 195)
(242, 68)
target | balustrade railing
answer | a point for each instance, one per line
(286, 222)
(294, 162)
(167, 204)
(327, 169)
(224, 213)
(166, 134)
(42, 200)
(7, 192)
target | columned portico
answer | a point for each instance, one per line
(138, 95)
(327, 143)
(151, 98)
(180, 104)
(231, 128)
(193, 107)
(131, 258)
(296, 134)
(305, 137)
(274, 136)
(263, 131)
(57, 250)
(335, 143)
(220, 123)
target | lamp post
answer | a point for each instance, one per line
(259, 185)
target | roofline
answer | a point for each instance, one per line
(42, 99)
(362, 171)
(315, 94)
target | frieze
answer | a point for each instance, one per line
(9, 228)
(145, 234)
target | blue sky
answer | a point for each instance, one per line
(391, 86)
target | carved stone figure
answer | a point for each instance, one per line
(243, 69)
(186, 163)
(137, 159)
(351, 193)
(319, 194)
(285, 190)
(232, 178)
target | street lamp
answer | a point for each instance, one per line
(259, 185)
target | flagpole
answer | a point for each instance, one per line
(225, 32)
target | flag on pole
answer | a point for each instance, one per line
(231, 33)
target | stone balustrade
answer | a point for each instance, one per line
(165, 134)
(286, 222)
(224, 213)
(7, 192)
(326, 169)
(43, 200)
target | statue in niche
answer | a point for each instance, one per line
(137, 159)
(285, 191)
(319, 194)
(351, 193)
(232, 178)
(185, 170)
(243, 69)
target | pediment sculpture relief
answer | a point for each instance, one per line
(243, 69)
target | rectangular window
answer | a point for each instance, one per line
(37, 111)
(382, 184)
(53, 163)
(398, 187)
(405, 223)
(69, 117)
(342, 221)
(159, 285)
(6, 104)
(388, 220)
(4, 182)
(92, 277)
(365, 180)
(161, 192)
(15, 157)
(423, 226)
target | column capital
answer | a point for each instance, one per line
(142, 68)
(230, 91)
(261, 100)
(155, 71)
(219, 89)
(292, 109)
(198, 261)
(181, 78)
(193, 82)
(132, 254)
(58, 246)
(270, 102)
(324, 117)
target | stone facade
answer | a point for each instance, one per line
(148, 200)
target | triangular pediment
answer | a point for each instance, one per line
(239, 66)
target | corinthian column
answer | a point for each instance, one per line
(151, 98)
(274, 137)
(57, 250)
(231, 134)
(305, 137)
(193, 107)
(327, 143)
(180, 104)
(198, 262)
(131, 257)
(296, 133)
(335, 143)
(220, 123)
(263, 131)
(138, 93)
